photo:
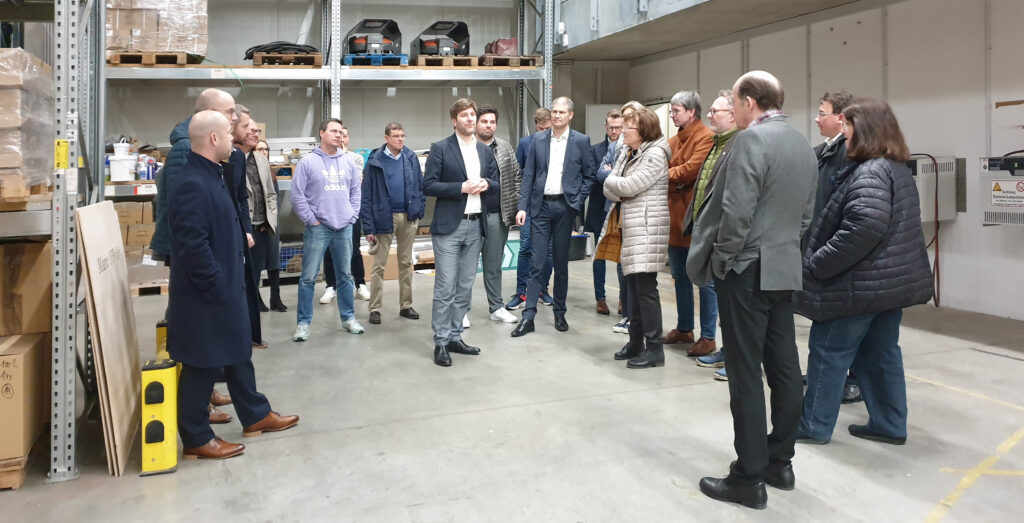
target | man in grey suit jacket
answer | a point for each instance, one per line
(765, 196)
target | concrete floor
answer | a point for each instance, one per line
(550, 428)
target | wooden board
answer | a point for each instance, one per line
(153, 58)
(28, 199)
(494, 60)
(115, 340)
(12, 479)
(312, 59)
(445, 61)
(149, 288)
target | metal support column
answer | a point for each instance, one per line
(549, 35)
(65, 242)
(336, 49)
(97, 145)
(522, 124)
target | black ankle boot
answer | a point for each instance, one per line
(630, 350)
(653, 355)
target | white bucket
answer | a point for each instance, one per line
(121, 149)
(121, 167)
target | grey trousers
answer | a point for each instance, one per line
(455, 260)
(493, 252)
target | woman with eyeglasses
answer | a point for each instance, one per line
(262, 147)
(639, 182)
(865, 261)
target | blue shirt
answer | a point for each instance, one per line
(394, 172)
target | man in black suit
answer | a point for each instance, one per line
(235, 178)
(459, 171)
(207, 320)
(559, 172)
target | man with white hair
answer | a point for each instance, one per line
(749, 236)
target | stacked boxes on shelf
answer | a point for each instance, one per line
(157, 26)
(26, 123)
(136, 219)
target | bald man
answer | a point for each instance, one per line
(207, 316)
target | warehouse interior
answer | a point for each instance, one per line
(547, 427)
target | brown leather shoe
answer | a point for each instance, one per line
(216, 448)
(218, 416)
(272, 423)
(260, 344)
(219, 400)
(703, 347)
(675, 336)
(602, 307)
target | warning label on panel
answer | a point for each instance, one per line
(1007, 193)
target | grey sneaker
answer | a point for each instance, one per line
(301, 332)
(353, 326)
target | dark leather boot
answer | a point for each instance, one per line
(653, 355)
(630, 350)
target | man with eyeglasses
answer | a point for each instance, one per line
(597, 204)
(690, 146)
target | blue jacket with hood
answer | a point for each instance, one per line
(375, 212)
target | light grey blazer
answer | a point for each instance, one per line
(759, 208)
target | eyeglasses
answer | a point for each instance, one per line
(711, 113)
(263, 149)
(628, 128)
(822, 115)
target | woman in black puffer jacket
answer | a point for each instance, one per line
(865, 261)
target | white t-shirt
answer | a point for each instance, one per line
(471, 158)
(556, 163)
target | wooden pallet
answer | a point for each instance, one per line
(12, 473)
(153, 59)
(24, 198)
(149, 288)
(445, 61)
(494, 60)
(313, 59)
(376, 59)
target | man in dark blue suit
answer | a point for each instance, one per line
(560, 170)
(459, 171)
(541, 122)
(235, 179)
(207, 321)
(597, 205)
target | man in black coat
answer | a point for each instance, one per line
(235, 179)
(207, 322)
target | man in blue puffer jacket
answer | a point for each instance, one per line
(392, 204)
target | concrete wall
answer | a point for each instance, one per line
(941, 64)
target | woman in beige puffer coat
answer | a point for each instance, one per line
(639, 182)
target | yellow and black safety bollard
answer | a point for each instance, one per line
(159, 417)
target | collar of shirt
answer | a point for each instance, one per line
(764, 116)
(829, 142)
(724, 137)
(387, 151)
(565, 136)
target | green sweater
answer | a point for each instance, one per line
(709, 164)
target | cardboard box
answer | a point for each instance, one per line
(147, 212)
(26, 301)
(140, 234)
(130, 213)
(120, 4)
(390, 268)
(24, 390)
(13, 107)
(20, 69)
(124, 233)
(142, 20)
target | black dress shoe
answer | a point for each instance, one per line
(524, 327)
(807, 440)
(630, 350)
(560, 324)
(409, 313)
(851, 393)
(263, 307)
(861, 431)
(441, 356)
(752, 496)
(278, 306)
(778, 475)
(375, 317)
(460, 347)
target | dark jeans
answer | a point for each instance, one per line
(358, 271)
(550, 228)
(525, 263)
(645, 306)
(684, 297)
(194, 388)
(599, 274)
(264, 257)
(870, 343)
(757, 326)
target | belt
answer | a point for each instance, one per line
(471, 217)
(552, 197)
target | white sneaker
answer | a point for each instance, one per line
(622, 327)
(301, 332)
(503, 315)
(353, 326)
(465, 321)
(329, 295)
(362, 293)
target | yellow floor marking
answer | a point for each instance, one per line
(987, 472)
(972, 475)
(970, 393)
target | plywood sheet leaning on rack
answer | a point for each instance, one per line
(114, 335)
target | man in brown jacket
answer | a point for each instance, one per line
(690, 146)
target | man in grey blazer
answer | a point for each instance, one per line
(760, 206)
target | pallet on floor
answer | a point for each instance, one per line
(153, 59)
(12, 473)
(445, 61)
(291, 59)
(149, 288)
(376, 59)
(495, 60)
(25, 198)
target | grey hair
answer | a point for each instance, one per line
(563, 99)
(689, 100)
(241, 109)
(727, 94)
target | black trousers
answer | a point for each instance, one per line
(358, 271)
(263, 258)
(644, 307)
(757, 326)
(552, 224)
(194, 388)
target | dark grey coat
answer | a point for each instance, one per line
(866, 252)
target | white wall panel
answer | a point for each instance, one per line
(784, 54)
(719, 68)
(846, 53)
(1007, 75)
(662, 78)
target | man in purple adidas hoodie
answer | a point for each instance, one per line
(326, 197)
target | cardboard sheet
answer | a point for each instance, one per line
(112, 319)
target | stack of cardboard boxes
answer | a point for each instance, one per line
(137, 227)
(157, 26)
(26, 123)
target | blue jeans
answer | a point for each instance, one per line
(316, 240)
(525, 258)
(684, 297)
(870, 342)
(599, 272)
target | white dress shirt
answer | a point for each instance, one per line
(556, 163)
(471, 158)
